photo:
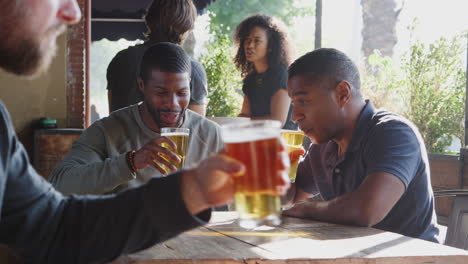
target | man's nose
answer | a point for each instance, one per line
(296, 115)
(69, 13)
(173, 102)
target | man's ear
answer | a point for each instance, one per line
(141, 84)
(343, 92)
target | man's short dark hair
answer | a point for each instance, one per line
(330, 65)
(164, 57)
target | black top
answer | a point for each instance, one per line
(260, 87)
(123, 72)
(43, 226)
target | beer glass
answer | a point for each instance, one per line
(256, 144)
(293, 140)
(180, 136)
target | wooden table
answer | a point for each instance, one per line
(295, 241)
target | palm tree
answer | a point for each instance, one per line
(379, 22)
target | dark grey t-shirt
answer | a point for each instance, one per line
(43, 226)
(382, 141)
(123, 72)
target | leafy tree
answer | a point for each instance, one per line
(379, 20)
(429, 89)
(224, 80)
(383, 82)
(436, 91)
(225, 15)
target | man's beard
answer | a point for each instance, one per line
(156, 115)
(28, 56)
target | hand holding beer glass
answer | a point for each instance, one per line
(180, 136)
(165, 153)
(257, 145)
(293, 140)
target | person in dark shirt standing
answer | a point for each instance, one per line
(370, 166)
(40, 224)
(263, 55)
(167, 21)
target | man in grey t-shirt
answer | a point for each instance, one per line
(125, 149)
(370, 166)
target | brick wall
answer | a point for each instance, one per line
(76, 69)
(51, 145)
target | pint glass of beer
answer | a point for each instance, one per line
(180, 136)
(293, 140)
(256, 144)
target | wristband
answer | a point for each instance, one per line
(131, 161)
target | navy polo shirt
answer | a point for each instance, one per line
(382, 141)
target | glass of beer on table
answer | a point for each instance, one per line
(180, 136)
(257, 145)
(293, 140)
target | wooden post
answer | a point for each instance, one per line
(464, 150)
(76, 70)
(466, 96)
(318, 24)
(87, 35)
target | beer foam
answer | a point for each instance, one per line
(248, 134)
(175, 134)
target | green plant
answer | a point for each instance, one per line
(224, 80)
(227, 14)
(383, 83)
(435, 82)
(428, 88)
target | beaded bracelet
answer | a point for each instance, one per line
(131, 161)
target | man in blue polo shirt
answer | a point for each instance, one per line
(370, 166)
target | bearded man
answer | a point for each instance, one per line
(41, 225)
(98, 160)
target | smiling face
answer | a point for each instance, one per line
(166, 97)
(256, 45)
(29, 30)
(315, 109)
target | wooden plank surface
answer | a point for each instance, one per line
(295, 241)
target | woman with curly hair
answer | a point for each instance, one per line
(263, 55)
